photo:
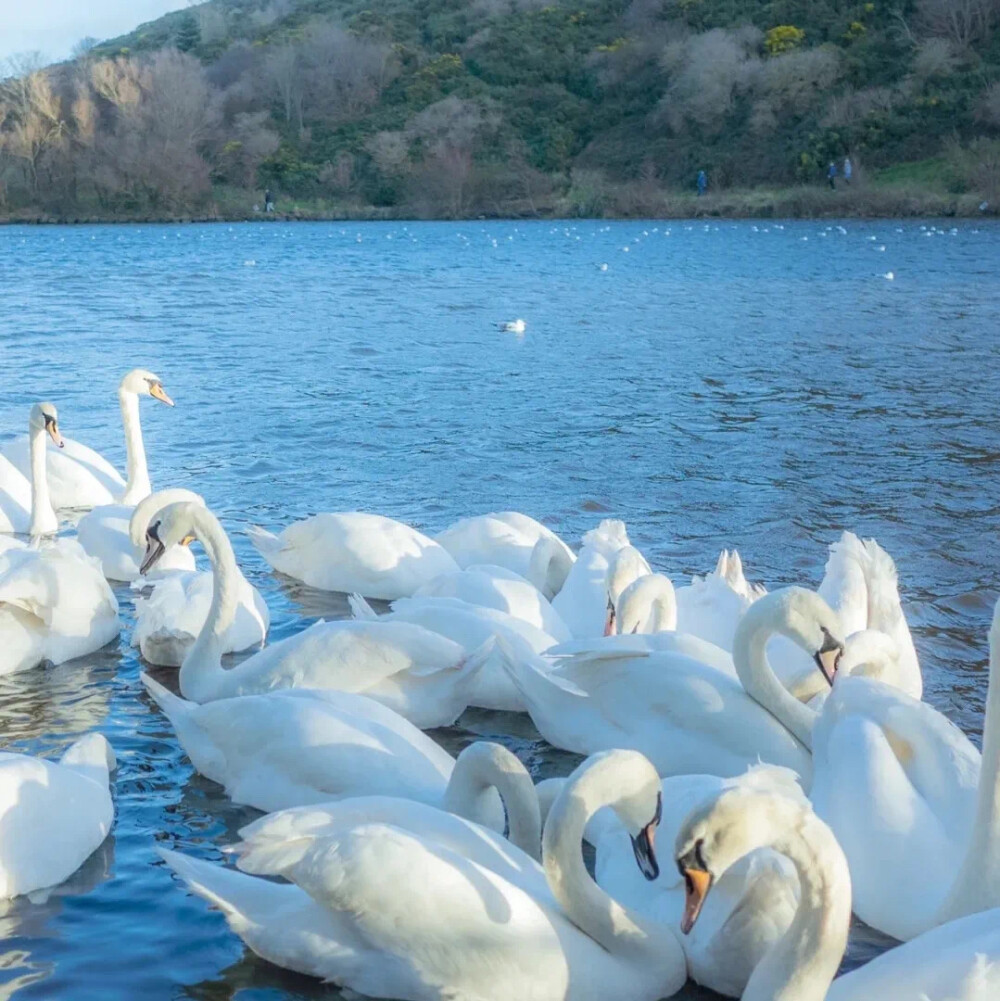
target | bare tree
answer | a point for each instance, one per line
(964, 22)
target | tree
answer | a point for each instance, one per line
(188, 33)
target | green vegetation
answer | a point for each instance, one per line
(442, 108)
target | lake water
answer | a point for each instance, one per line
(759, 386)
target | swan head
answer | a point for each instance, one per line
(648, 604)
(45, 417)
(172, 526)
(801, 615)
(720, 831)
(870, 654)
(626, 566)
(144, 383)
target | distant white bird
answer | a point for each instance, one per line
(889, 276)
(604, 267)
(514, 326)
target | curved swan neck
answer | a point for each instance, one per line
(598, 782)
(803, 962)
(43, 517)
(759, 624)
(202, 671)
(137, 483)
(485, 766)
(977, 885)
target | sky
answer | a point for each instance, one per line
(53, 27)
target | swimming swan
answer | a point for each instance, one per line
(686, 716)
(169, 619)
(25, 506)
(912, 802)
(352, 551)
(299, 747)
(420, 674)
(78, 476)
(54, 814)
(389, 913)
(512, 540)
(959, 961)
(55, 605)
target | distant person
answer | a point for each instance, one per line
(268, 201)
(702, 182)
(831, 175)
(848, 170)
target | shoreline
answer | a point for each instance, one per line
(861, 202)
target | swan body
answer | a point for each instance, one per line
(55, 605)
(354, 552)
(751, 905)
(514, 541)
(53, 815)
(958, 961)
(504, 590)
(115, 534)
(392, 913)
(684, 715)
(421, 674)
(299, 747)
(471, 626)
(81, 478)
(25, 506)
(583, 600)
(911, 801)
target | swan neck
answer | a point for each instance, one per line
(977, 885)
(803, 962)
(762, 684)
(202, 673)
(613, 926)
(137, 483)
(479, 770)
(43, 517)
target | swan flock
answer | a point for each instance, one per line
(755, 766)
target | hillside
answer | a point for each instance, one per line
(441, 108)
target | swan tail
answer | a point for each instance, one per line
(266, 543)
(245, 901)
(91, 753)
(360, 608)
(609, 536)
(174, 707)
(279, 840)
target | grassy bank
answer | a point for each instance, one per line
(898, 196)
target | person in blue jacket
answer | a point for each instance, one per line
(702, 182)
(831, 175)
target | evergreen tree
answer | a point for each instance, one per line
(188, 33)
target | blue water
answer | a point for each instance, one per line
(761, 386)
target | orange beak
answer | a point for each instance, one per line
(697, 883)
(158, 392)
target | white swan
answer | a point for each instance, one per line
(53, 814)
(751, 905)
(512, 540)
(647, 605)
(504, 590)
(480, 767)
(471, 626)
(25, 506)
(420, 674)
(582, 601)
(386, 912)
(78, 476)
(55, 605)
(860, 584)
(959, 961)
(353, 551)
(912, 802)
(115, 534)
(300, 747)
(684, 715)
(169, 619)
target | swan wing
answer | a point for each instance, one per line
(15, 498)
(78, 477)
